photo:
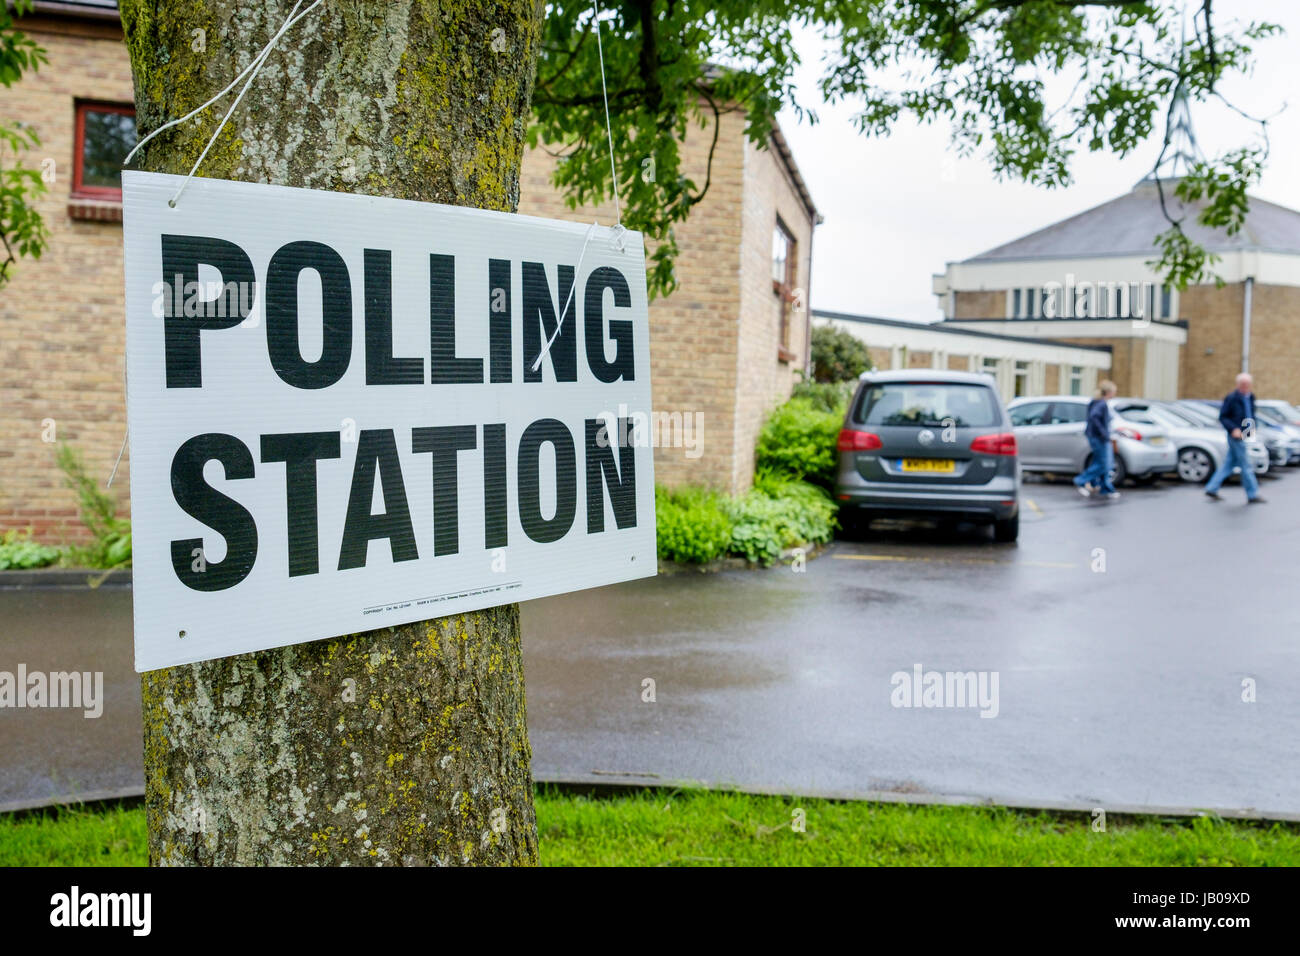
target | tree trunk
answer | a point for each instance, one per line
(404, 745)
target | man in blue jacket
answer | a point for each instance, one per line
(1096, 477)
(1237, 416)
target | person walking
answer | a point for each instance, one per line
(1095, 479)
(1237, 416)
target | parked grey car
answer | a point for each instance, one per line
(932, 444)
(1050, 433)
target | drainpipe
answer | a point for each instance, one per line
(1245, 324)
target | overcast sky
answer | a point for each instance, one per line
(898, 209)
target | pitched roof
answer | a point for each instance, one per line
(1129, 224)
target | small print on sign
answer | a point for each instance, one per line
(351, 412)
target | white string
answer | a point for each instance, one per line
(559, 323)
(617, 228)
(120, 452)
(609, 130)
(250, 72)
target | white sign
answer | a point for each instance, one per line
(350, 412)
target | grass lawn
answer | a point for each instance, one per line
(707, 828)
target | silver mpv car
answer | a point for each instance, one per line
(930, 444)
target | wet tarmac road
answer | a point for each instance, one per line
(1116, 687)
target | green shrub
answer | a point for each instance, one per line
(694, 526)
(837, 356)
(18, 551)
(111, 547)
(826, 396)
(779, 514)
(798, 439)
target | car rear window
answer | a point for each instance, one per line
(927, 403)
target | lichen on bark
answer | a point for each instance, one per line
(403, 745)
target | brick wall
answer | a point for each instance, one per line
(693, 346)
(61, 319)
(959, 363)
(713, 343)
(985, 304)
(1051, 379)
(763, 377)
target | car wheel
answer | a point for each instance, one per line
(1007, 529)
(1195, 465)
(1118, 473)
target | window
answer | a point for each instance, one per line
(1015, 303)
(1068, 413)
(928, 403)
(783, 285)
(1022, 379)
(989, 366)
(1031, 413)
(105, 134)
(1166, 302)
(1076, 379)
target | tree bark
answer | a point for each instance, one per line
(404, 745)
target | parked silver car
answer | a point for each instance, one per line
(1289, 411)
(1208, 412)
(1283, 447)
(928, 443)
(1050, 432)
(1270, 414)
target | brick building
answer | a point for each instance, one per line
(1087, 280)
(725, 347)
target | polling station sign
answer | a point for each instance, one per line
(350, 412)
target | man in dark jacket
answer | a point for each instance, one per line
(1237, 416)
(1096, 477)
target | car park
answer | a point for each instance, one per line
(1050, 433)
(930, 444)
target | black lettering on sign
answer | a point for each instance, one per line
(535, 435)
(382, 367)
(620, 330)
(540, 324)
(445, 366)
(499, 317)
(300, 452)
(496, 519)
(282, 314)
(219, 512)
(442, 443)
(376, 453)
(601, 471)
(181, 257)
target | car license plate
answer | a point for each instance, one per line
(932, 465)
(1157, 439)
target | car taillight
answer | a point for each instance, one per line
(1132, 433)
(851, 440)
(1002, 444)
